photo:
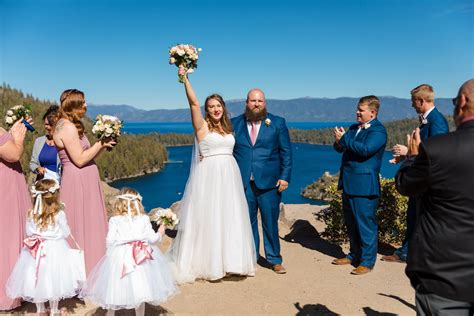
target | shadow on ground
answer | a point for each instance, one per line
(149, 311)
(401, 300)
(305, 234)
(313, 309)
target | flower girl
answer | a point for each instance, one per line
(44, 270)
(133, 271)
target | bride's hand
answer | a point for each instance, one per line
(162, 229)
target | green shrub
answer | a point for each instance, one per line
(391, 215)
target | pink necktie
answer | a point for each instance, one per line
(253, 133)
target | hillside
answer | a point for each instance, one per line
(294, 110)
(135, 154)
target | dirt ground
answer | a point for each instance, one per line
(312, 286)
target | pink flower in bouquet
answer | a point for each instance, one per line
(185, 57)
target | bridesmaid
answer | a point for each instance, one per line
(13, 207)
(81, 191)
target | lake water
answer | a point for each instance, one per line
(163, 188)
(187, 128)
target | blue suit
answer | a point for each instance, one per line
(267, 161)
(359, 182)
(436, 125)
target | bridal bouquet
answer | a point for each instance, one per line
(185, 57)
(107, 126)
(166, 217)
(18, 112)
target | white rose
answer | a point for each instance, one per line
(172, 60)
(190, 71)
(9, 120)
(9, 112)
(180, 52)
(14, 117)
(109, 130)
(101, 128)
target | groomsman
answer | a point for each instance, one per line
(440, 171)
(432, 123)
(263, 152)
(363, 147)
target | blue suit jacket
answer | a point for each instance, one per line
(436, 125)
(270, 158)
(361, 159)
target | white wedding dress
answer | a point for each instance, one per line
(214, 235)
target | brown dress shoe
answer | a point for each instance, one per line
(361, 270)
(278, 268)
(341, 261)
(392, 258)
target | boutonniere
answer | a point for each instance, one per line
(268, 121)
(366, 126)
(424, 121)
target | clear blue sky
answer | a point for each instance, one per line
(117, 51)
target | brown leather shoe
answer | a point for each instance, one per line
(341, 261)
(361, 270)
(279, 269)
(392, 258)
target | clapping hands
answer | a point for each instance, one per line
(338, 133)
(399, 153)
(413, 142)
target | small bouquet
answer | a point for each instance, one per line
(166, 217)
(106, 126)
(185, 57)
(19, 112)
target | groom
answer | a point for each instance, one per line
(263, 152)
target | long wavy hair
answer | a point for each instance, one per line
(51, 205)
(224, 122)
(121, 205)
(72, 108)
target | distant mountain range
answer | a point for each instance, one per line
(294, 110)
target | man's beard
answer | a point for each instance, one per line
(255, 117)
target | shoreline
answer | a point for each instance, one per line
(144, 173)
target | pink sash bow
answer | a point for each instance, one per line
(35, 246)
(141, 251)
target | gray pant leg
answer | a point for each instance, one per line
(428, 304)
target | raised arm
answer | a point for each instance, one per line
(66, 136)
(199, 124)
(12, 149)
(412, 178)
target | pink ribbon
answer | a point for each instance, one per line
(36, 248)
(141, 251)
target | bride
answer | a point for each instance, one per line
(214, 235)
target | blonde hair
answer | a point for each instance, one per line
(50, 204)
(423, 92)
(372, 102)
(121, 205)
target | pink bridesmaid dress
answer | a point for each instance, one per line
(81, 192)
(15, 202)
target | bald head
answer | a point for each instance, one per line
(256, 105)
(464, 102)
(255, 91)
(467, 90)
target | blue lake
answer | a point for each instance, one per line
(187, 128)
(163, 188)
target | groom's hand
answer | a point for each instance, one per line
(282, 185)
